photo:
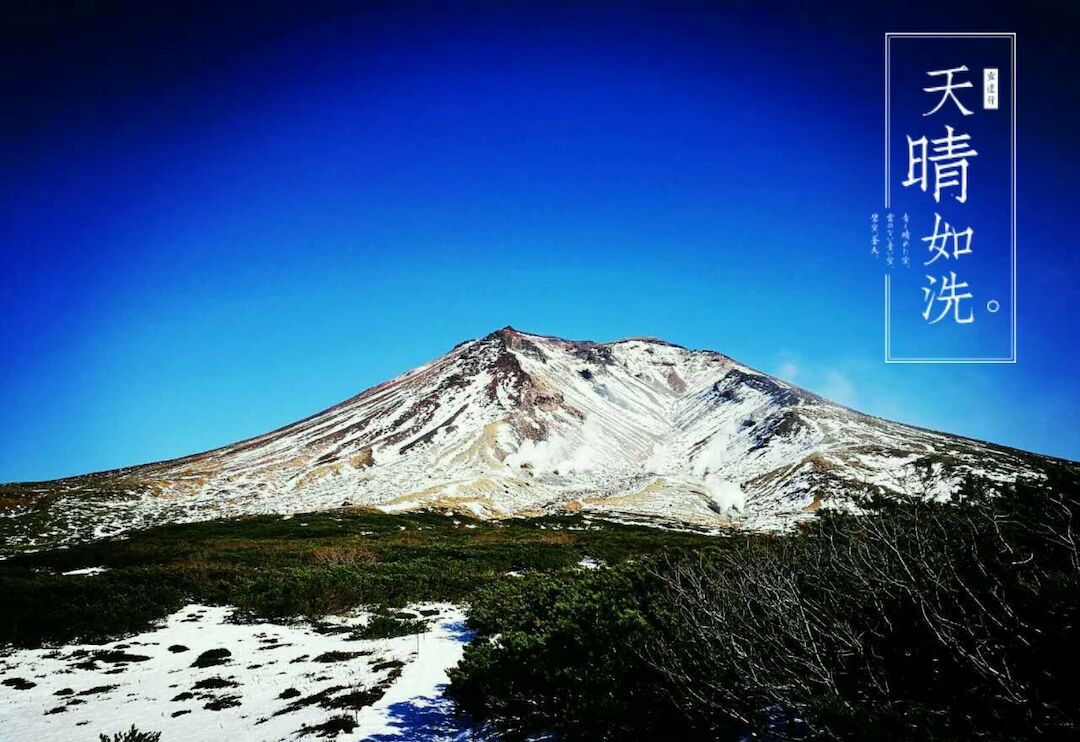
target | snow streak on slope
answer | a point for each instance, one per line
(519, 424)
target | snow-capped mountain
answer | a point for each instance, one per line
(521, 424)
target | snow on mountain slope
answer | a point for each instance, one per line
(520, 424)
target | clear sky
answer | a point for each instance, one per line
(213, 223)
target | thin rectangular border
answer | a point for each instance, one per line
(1011, 35)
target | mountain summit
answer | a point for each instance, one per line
(522, 424)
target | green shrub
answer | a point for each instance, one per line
(385, 626)
(131, 735)
(915, 620)
(561, 653)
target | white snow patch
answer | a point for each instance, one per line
(85, 571)
(590, 563)
(80, 691)
(724, 493)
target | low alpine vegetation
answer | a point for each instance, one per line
(915, 620)
(305, 566)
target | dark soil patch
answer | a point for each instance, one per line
(356, 699)
(113, 656)
(332, 727)
(214, 682)
(330, 629)
(212, 657)
(275, 646)
(380, 666)
(321, 699)
(19, 683)
(336, 656)
(224, 702)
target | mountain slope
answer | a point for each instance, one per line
(519, 424)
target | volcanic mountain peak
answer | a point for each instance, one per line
(516, 424)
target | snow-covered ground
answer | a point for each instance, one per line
(201, 675)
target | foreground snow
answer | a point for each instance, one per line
(201, 676)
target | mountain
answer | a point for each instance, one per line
(522, 424)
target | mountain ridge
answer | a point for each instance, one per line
(515, 423)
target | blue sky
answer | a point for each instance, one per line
(216, 222)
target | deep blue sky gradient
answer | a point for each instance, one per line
(214, 222)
